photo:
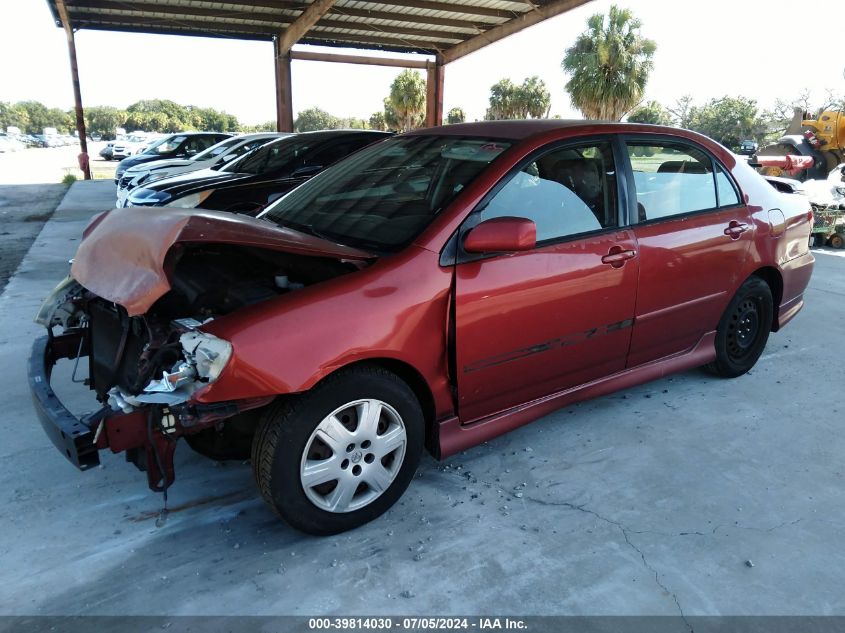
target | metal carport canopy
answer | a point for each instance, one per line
(445, 30)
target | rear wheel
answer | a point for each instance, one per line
(837, 241)
(743, 329)
(340, 455)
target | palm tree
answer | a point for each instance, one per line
(533, 99)
(407, 97)
(502, 97)
(456, 115)
(609, 65)
(511, 101)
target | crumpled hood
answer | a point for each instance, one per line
(123, 252)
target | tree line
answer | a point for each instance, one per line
(608, 67)
(732, 119)
(153, 115)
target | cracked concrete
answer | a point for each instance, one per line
(646, 502)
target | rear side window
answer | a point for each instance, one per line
(565, 192)
(727, 193)
(671, 180)
(332, 153)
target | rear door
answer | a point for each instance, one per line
(532, 323)
(693, 235)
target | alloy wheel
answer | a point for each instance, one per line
(353, 455)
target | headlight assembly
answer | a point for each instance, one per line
(148, 197)
(207, 353)
(190, 201)
(57, 307)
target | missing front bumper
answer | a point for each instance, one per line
(80, 438)
(72, 436)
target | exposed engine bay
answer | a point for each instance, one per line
(162, 357)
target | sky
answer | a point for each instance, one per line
(761, 49)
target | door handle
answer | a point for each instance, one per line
(617, 257)
(735, 229)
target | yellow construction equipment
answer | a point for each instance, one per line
(821, 138)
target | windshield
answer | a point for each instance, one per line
(281, 156)
(382, 197)
(215, 150)
(165, 145)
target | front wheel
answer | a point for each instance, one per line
(340, 455)
(743, 330)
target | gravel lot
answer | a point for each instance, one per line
(690, 495)
(23, 211)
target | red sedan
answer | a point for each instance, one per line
(434, 290)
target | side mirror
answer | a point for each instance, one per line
(306, 171)
(507, 234)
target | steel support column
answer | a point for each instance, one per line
(284, 98)
(77, 93)
(434, 93)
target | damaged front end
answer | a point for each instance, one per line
(143, 373)
(141, 291)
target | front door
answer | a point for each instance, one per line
(532, 323)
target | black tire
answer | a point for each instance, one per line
(743, 330)
(837, 241)
(285, 431)
(231, 442)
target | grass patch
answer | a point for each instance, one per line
(69, 179)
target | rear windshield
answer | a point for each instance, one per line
(382, 197)
(279, 156)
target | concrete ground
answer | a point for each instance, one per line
(690, 495)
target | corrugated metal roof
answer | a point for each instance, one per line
(409, 26)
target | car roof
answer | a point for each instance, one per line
(522, 129)
(325, 135)
(344, 132)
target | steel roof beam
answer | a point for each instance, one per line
(306, 20)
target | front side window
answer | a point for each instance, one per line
(565, 192)
(671, 180)
(216, 150)
(385, 195)
(198, 144)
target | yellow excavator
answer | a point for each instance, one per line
(809, 149)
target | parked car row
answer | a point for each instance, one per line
(18, 142)
(10, 144)
(248, 183)
(433, 289)
(181, 145)
(214, 157)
